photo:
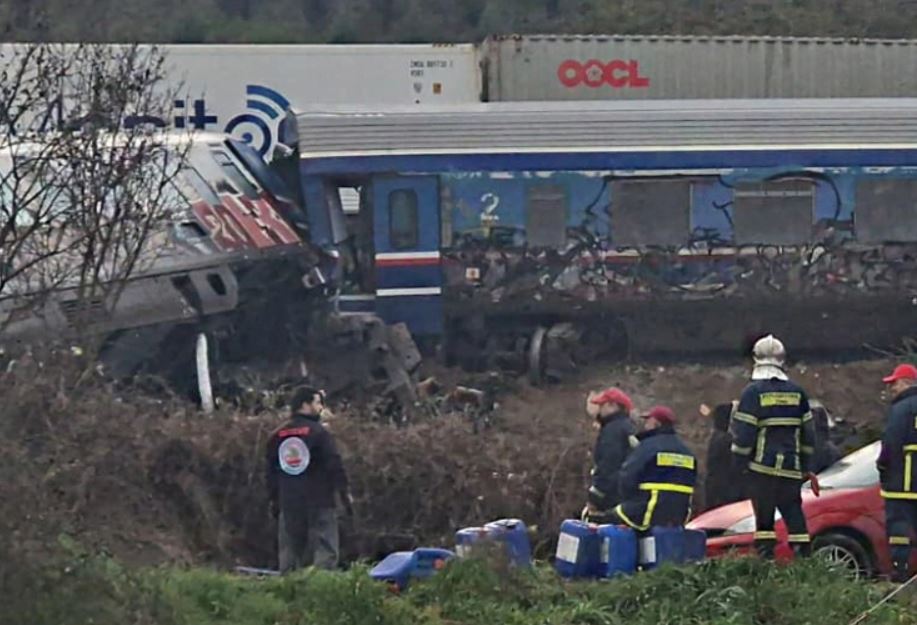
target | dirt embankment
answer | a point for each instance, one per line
(151, 480)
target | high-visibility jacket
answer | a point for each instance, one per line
(657, 481)
(898, 459)
(773, 430)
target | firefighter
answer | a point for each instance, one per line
(897, 465)
(304, 475)
(611, 410)
(657, 480)
(773, 442)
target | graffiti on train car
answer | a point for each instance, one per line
(599, 236)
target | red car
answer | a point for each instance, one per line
(847, 523)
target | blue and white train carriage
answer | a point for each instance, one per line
(550, 229)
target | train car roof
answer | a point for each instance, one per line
(603, 126)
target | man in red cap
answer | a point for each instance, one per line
(657, 480)
(611, 410)
(897, 465)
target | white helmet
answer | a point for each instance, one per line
(769, 351)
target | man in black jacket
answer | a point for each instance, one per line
(774, 448)
(611, 410)
(897, 465)
(304, 475)
(657, 480)
(720, 486)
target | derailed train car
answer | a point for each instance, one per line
(539, 233)
(230, 263)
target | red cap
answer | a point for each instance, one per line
(615, 395)
(901, 372)
(663, 414)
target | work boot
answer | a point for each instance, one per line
(765, 549)
(801, 550)
(899, 572)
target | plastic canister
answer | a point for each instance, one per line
(578, 549)
(662, 544)
(695, 545)
(515, 535)
(400, 567)
(618, 552)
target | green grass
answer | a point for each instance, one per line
(471, 592)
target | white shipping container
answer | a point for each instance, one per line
(244, 89)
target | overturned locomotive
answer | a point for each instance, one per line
(540, 234)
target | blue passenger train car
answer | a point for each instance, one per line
(539, 233)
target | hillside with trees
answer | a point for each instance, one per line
(365, 21)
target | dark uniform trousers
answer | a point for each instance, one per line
(900, 522)
(769, 494)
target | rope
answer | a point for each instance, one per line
(862, 617)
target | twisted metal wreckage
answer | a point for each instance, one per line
(228, 283)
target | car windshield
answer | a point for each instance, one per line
(856, 470)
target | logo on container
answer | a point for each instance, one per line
(617, 74)
(256, 126)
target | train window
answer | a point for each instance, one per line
(773, 213)
(886, 210)
(546, 217)
(234, 174)
(650, 212)
(203, 190)
(402, 216)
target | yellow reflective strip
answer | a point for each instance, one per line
(897, 495)
(742, 451)
(910, 448)
(672, 488)
(744, 417)
(596, 491)
(666, 459)
(780, 399)
(807, 450)
(780, 421)
(761, 444)
(899, 540)
(619, 510)
(807, 417)
(798, 538)
(907, 472)
(765, 535)
(779, 461)
(766, 470)
(650, 507)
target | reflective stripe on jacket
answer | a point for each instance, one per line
(897, 461)
(657, 481)
(773, 430)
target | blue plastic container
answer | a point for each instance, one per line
(662, 544)
(400, 567)
(618, 551)
(515, 535)
(579, 547)
(466, 538)
(695, 545)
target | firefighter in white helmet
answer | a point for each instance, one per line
(773, 441)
